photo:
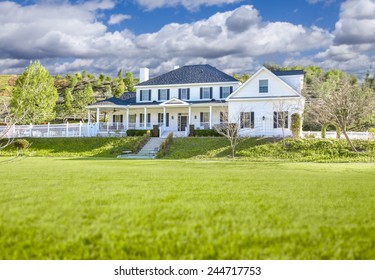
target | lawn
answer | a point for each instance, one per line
(76, 147)
(56, 208)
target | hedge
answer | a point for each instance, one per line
(206, 133)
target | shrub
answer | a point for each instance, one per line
(296, 125)
(164, 146)
(206, 133)
(21, 144)
(137, 132)
(371, 130)
(192, 130)
(139, 145)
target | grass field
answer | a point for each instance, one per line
(75, 147)
(260, 149)
(56, 208)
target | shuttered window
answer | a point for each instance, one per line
(280, 119)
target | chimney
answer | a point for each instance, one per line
(176, 67)
(144, 74)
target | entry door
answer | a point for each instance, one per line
(182, 123)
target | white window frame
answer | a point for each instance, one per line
(263, 88)
(184, 93)
(163, 94)
(206, 93)
(224, 93)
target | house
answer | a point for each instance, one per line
(204, 96)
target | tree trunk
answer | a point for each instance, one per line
(349, 141)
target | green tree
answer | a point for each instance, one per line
(129, 82)
(34, 95)
(83, 98)
(119, 86)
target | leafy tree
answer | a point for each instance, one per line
(129, 82)
(34, 95)
(83, 98)
(119, 86)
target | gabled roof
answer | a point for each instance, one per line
(190, 74)
(271, 73)
(174, 101)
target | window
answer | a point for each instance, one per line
(132, 119)
(247, 120)
(280, 119)
(206, 93)
(145, 95)
(225, 91)
(163, 94)
(117, 118)
(263, 86)
(205, 120)
(161, 118)
(142, 118)
(184, 93)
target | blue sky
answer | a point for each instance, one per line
(236, 36)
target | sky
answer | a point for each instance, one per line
(235, 36)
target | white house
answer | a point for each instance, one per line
(204, 96)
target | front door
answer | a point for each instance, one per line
(182, 122)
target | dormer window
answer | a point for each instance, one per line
(263, 86)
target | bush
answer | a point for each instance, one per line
(164, 146)
(296, 125)
(371, 130)
(137, 132)
(139, 145)
(192, 130)
(21, 144)
(206, 133)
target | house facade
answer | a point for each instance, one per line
(204, 96)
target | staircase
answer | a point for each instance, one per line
(148, 151)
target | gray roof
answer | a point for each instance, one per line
(127, 98)
(190, 74)
(288, 72)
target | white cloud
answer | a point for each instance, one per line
(116, 19)
(356, 23)
(72, 37)
(188, 4)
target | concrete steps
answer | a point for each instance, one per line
(148, 151)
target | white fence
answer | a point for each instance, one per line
(118, 129)
(333, 135)
(50, 130)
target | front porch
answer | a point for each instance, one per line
(175, 118)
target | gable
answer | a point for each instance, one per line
(174, 101)
(276, 87)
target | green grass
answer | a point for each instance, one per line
(55, 208)
(73, 147)
(259, 149)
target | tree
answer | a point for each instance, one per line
(34, 95)
(129, 82)
(68, 99)
(342, 102)
(83, 98)
(230, 129)
(119, 85)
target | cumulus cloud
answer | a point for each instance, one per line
(356, 23)
(188, 4)
(116, 19)
(71, 37)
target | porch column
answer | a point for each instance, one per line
(210, 117)
(89, 116)
(97, 115)
(145, 118)
(189, 118)
(127, 119)
(165, 118)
